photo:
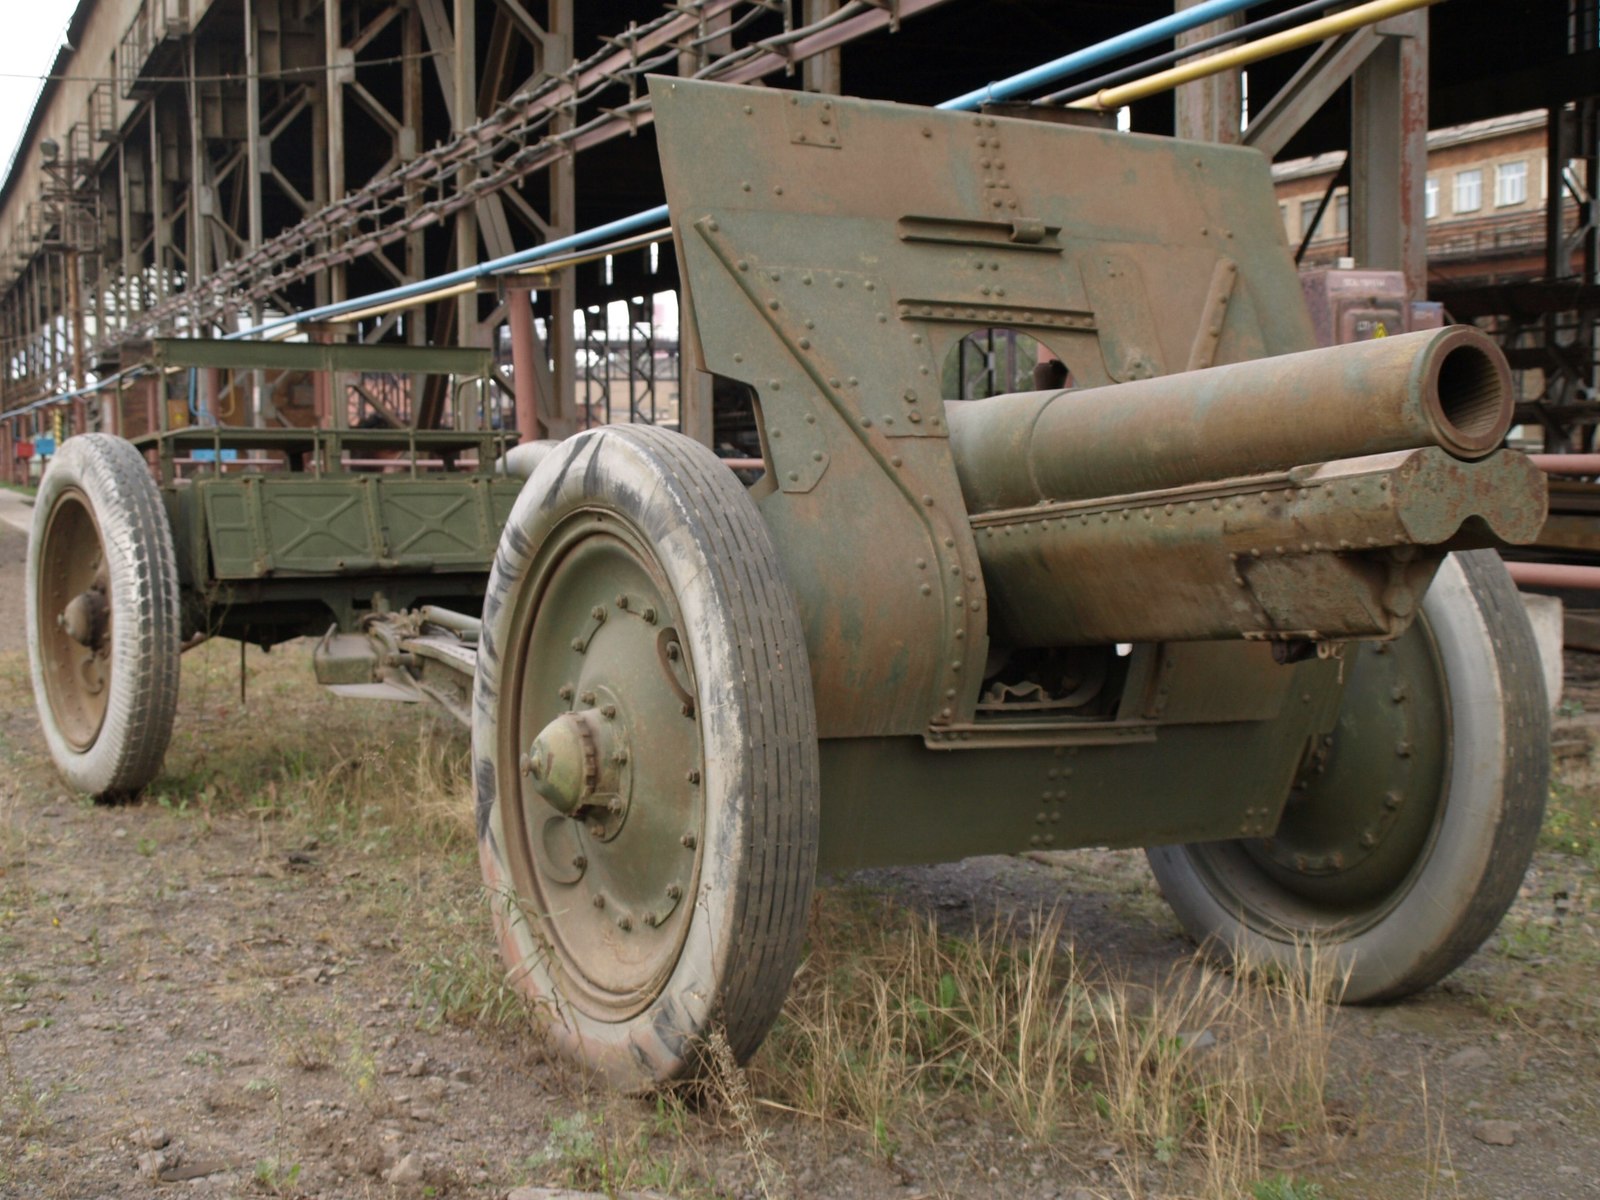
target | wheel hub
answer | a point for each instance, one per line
(564, 762)
(86, 617)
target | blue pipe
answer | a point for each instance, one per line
(1100, 52)
(1004, 89)
(494, 266)
(197, 410)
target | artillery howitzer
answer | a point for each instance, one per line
(1209, 601)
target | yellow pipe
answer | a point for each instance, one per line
(377, 310)
(1239, 56)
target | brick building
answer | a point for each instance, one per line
(1487, 188)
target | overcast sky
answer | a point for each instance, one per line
(32, 32)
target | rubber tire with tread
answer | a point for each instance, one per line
(1482, 838)
(116, 485)
(758, 736)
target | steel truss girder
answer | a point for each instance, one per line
(384, 210)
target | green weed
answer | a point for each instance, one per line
(276, 1177)
(1284, 1187)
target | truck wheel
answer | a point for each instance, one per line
(1406, 838)
(103, 617)
(644, 756)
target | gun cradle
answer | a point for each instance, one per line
(1326, 552)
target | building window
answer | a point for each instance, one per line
(1468, 191)
(1308, 216)
(1341, 213)
(1283, 215)
(1430, 198)
(1510, 183)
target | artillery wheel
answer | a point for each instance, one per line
(1405, 842)
(645, 756)
(103, 617)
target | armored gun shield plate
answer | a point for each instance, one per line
(835, 273)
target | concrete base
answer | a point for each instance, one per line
(1544, 614)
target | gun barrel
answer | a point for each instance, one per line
(1449, 388)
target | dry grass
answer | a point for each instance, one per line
(893, 1026)
(389, 781)
(383, 776)
(23, 1103)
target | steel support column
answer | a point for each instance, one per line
(524, 358)
(1389, 153)
(464, 112)
(338, 74)
(563, 221)
(1209, 109)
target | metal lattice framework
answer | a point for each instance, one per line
(225, 169)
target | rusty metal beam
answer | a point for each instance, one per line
(1389, 153)
(1312, 86)
(1208, 110)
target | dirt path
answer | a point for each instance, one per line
(13, 566)
(259, 996)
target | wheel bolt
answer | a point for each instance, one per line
(622, 603)
(566, 691)
(688, 841)
(587, 698)
(672, 651)
(579, 861)
(599, 901)
(608, 711)
(674, 892)
(614, 806)
(649, 616)
(694, 776)
(619, 757)
(624, 924)
(598, 612)
(650, 919)
(577, 644)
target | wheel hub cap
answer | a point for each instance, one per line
(85, 618)
(564, 762)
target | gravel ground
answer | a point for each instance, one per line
(201, 996)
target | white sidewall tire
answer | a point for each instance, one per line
(115, 482)
(758, 735)
(1485, 834)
